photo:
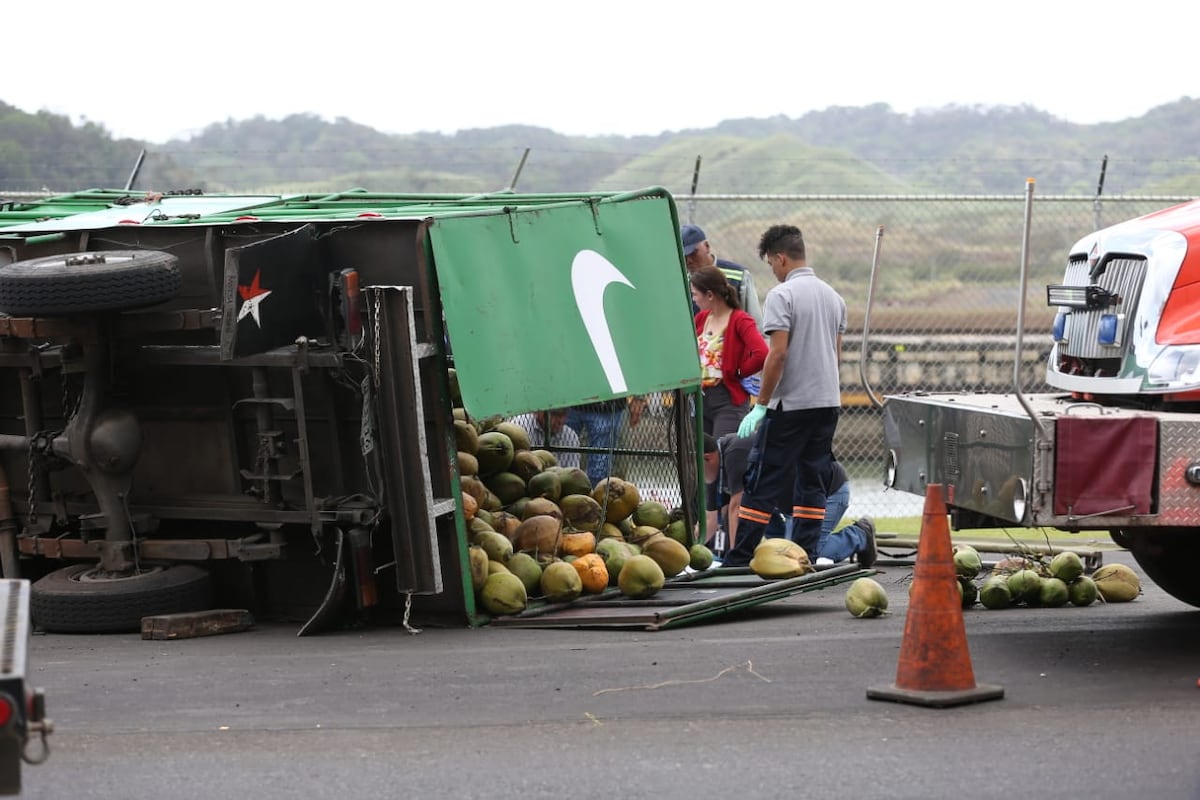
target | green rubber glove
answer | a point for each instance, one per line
(751, 420)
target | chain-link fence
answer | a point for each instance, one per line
(945, 302)
(943, 312)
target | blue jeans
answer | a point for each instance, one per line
(846, 542)
(597, 429)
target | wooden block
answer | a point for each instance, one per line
(191, 624)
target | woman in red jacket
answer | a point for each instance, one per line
(730, 346)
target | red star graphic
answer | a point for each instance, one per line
(252, 296)
(253, 290)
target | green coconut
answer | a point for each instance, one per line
(575, 481)
(614, 552)
(702, 557)
(678, 530)
(468, 464)
(515, 433)
(508, 486)
(466, 439)
(494, 453)
(866, 598)
(970, 592)
(1082, 591)
(561, 582)
(641, 577)
(1026, 586)
(1066, 566)
(1117, 583)
(497, 546)
(548, 458)
(503, 593)
(967, 562)
(526, 465)
(1053, 593)
(652, 513)
(526, 567)
(995, 593)
(545, 484)
(642, 534)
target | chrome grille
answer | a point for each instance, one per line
(1122, 277)
(950, 454)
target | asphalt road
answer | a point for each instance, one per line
(1100, 702)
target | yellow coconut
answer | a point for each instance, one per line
(667, 553)
(560, 582)
(1117, 583)
(503, 593)
(478, 562)
(779, 558)
(641, 577)
(617, 497)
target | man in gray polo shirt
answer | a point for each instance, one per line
(798, 405)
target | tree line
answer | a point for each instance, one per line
(839, 150)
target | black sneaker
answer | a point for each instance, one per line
(866, 557)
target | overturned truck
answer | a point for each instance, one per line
(211, 400)
(1115, 444)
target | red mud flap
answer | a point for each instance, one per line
(1104, 465)
(685, 600)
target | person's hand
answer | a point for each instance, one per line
(752, 384)
(751, 420)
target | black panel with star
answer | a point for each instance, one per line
(273, 294)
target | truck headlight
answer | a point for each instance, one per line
(1176, 367)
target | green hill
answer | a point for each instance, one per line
(838, 150)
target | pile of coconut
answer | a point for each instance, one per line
(1037, 583)
(541, 531)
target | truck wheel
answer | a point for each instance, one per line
(1120, 537)
(80, 599)
(81, 283)
(1169, 559)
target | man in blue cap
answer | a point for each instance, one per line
(698, 252)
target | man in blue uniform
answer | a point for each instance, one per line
(698, 252)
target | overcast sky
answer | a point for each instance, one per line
(157, 71)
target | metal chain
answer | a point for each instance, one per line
(407, 611)
(376, 334)
(32, 470)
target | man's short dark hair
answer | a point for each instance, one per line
(785, 239)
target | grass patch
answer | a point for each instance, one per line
(908, 527)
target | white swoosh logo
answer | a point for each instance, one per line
(591, 273)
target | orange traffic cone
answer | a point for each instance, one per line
(935, 665)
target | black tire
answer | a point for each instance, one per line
(1168, 557)
(1120, 538)
(76, 599)
(81, 283)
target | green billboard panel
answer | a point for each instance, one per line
(557, 306)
